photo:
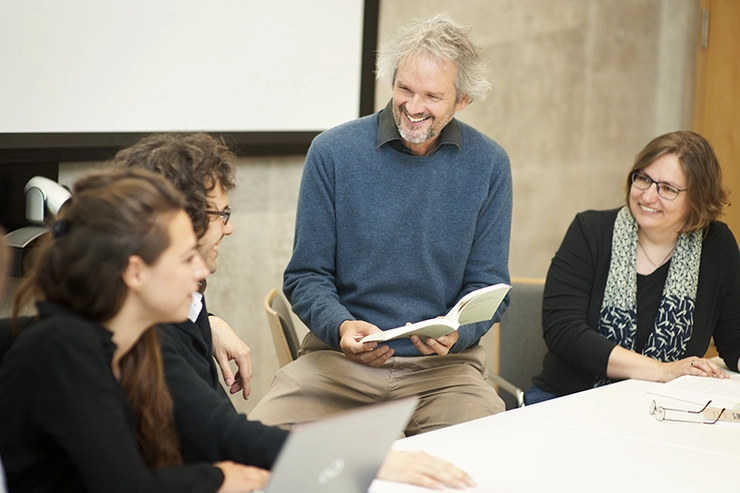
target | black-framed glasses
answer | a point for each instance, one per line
(659, 412)
(665, 190)
(225, 214)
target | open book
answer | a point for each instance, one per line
(476, 306)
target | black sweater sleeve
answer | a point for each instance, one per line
(573, 294)
(209, 427)
(721, 291)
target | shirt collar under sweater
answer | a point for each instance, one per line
(388, 132)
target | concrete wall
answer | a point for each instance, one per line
(579, 87)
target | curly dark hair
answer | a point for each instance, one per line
(194, 162)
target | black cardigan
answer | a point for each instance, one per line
(67, 425)
(209, 427)
(574, 291)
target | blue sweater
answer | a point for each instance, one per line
(390, 238)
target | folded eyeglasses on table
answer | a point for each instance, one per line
(707, 415)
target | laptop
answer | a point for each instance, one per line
(342, 453)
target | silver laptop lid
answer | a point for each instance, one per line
(342, 453)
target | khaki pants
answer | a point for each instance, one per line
(452, 389)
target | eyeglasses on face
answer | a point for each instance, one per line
(659, 412)
(225, 214)
(665, 190)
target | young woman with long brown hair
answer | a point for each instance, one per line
(82, 394)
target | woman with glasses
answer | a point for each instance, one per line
(639, 291)
(83, 400)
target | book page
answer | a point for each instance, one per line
(479, 305)
(698, 390)
(434, 328)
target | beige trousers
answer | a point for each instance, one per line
(452, 389)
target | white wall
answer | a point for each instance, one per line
(158, 65)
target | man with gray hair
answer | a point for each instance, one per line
(400, 215)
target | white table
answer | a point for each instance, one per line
(601, 440)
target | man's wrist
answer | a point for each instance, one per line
(344, 327)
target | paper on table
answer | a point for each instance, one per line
(698, 390)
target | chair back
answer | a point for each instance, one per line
(516, 347)
(522, 344)
(283, 331)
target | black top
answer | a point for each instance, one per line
(649, 293)
(209, 427)
(67, 425)
(574, 291)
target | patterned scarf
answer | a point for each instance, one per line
(675, 321)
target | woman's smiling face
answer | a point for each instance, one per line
(653, 212)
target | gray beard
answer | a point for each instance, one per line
(405, 136)
(419, 139)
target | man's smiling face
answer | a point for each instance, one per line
(424, 100)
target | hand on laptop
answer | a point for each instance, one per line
(238, 477)
(423, 469)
